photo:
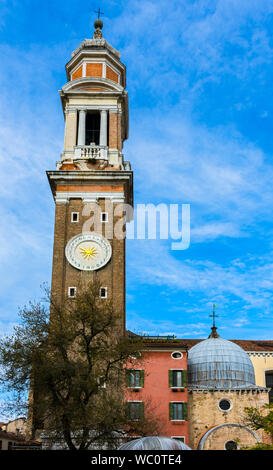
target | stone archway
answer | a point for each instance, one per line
(216, 437)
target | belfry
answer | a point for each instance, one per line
(92, 182)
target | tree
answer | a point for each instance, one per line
(73, 360)
(261, 419)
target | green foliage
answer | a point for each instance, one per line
(73, 359)
(260, 419)
(259, 446)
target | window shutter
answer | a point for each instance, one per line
(185, 411)
(127, 410)
(170, 378)
(127, 378)
(171, 410)
(184, 378)
(141, 410)
(142, 378)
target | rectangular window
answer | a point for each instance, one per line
(104, 217)
(74, 217)
(178, 411)
(103, 292)
(178, 378)
(269, 384)
(135, 378)
(135, 410)
(72, 292)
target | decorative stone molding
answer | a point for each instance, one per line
(260, 353)
(97, 43)
(230, 390)
(210, 431)
(65, 196)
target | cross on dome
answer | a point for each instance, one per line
(214, 333)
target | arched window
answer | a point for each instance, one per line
(92, 135)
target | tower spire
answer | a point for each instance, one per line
(214, 333)
(98, 25)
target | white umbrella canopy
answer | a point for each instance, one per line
(154, 443)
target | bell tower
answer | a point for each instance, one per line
(92, 185)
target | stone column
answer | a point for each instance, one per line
(70, 129)
(103, 128)
(82, 126)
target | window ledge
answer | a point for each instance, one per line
(178, 420)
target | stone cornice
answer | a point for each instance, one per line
(79, 177)
(260, 353)
(96, 44)
(229, 390)
(113, 86)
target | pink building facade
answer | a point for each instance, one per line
(159, 381)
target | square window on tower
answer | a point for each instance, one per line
(103, 292)
(104, 217)
(72, 292)
(74, 217)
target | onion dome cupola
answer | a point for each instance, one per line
(217, 363)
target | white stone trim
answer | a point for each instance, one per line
(210, 431)
(64, 196)
(78, 217)
(93, 107)
(177, 358)
(230, 402)
(81, 50)
(72, 85)
(106, 219)
(106, 292)
(260, 353)
(75, 294)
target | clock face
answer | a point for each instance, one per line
(88, 251)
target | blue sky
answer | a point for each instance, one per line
(199, 77)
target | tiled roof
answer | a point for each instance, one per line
(11, 435)
(19, 439)
(246, 344)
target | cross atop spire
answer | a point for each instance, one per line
(214, 333)
(99, 13)
(98, 24)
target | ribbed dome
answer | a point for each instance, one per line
(154, 443)
(218, 363)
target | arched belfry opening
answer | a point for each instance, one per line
(92, 128)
